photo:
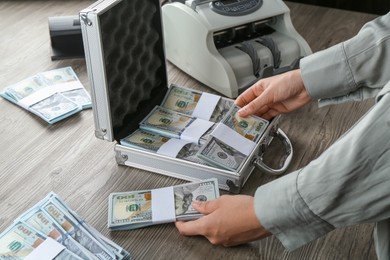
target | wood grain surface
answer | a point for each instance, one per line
(36, 158)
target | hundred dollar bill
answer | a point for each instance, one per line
(19, 240)
(173, 124)
(130, 210)
(145, 140)
(181, 99)
(52, 95)
(74, 229)
(251, 127)
(43, 223)
(119, 252)
(166, 122)
(190, 153)
(67, 75)
(221, 109)
(23, 89)
(152, 142)
(54, 108)
(51, 107)
(221, 155)
(187, 193)
(58, 76)
(185, 100)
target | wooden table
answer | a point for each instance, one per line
(36, 158)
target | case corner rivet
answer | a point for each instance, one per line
(85, 19)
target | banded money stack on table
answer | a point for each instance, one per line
(198, 127)
(136, 209)
(51, 230)
(52, 95)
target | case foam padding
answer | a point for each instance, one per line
(134, 60)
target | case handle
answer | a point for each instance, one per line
(285, 160)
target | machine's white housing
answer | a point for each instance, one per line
(189, 43)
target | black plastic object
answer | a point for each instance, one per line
(66, 38)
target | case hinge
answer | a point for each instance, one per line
(100, 133)
(120, 158)
(85, 19)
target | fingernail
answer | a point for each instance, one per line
(241, 111)
(195, 203)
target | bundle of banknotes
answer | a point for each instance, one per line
(175, 115)
(51, 95)
(185, 101)
(136, 209)
(51, 219)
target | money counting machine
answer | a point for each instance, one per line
(230, 44)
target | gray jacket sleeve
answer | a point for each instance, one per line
(352, 70)
(349, 183)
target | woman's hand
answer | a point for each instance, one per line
(275, 95)
(229, 220)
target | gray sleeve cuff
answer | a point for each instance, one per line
(326, 74)
(351, 70)
(283, 212)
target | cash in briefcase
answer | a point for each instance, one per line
(124, 48)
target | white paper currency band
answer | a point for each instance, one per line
(47, 92)
(233, 139)
(48, 250)
(172, 147)
(206, 106)
(195, 130)
(163, 205)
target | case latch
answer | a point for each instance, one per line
(233, 188)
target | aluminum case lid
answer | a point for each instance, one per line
(124, 46)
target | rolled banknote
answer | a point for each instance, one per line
(131, 210)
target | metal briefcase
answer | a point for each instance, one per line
(124, 49)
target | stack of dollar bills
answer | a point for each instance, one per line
(150, 141)
(185, 101)
(179, 111)
(52, 223)
(51, 95)
(136, 209)
(226, 152)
